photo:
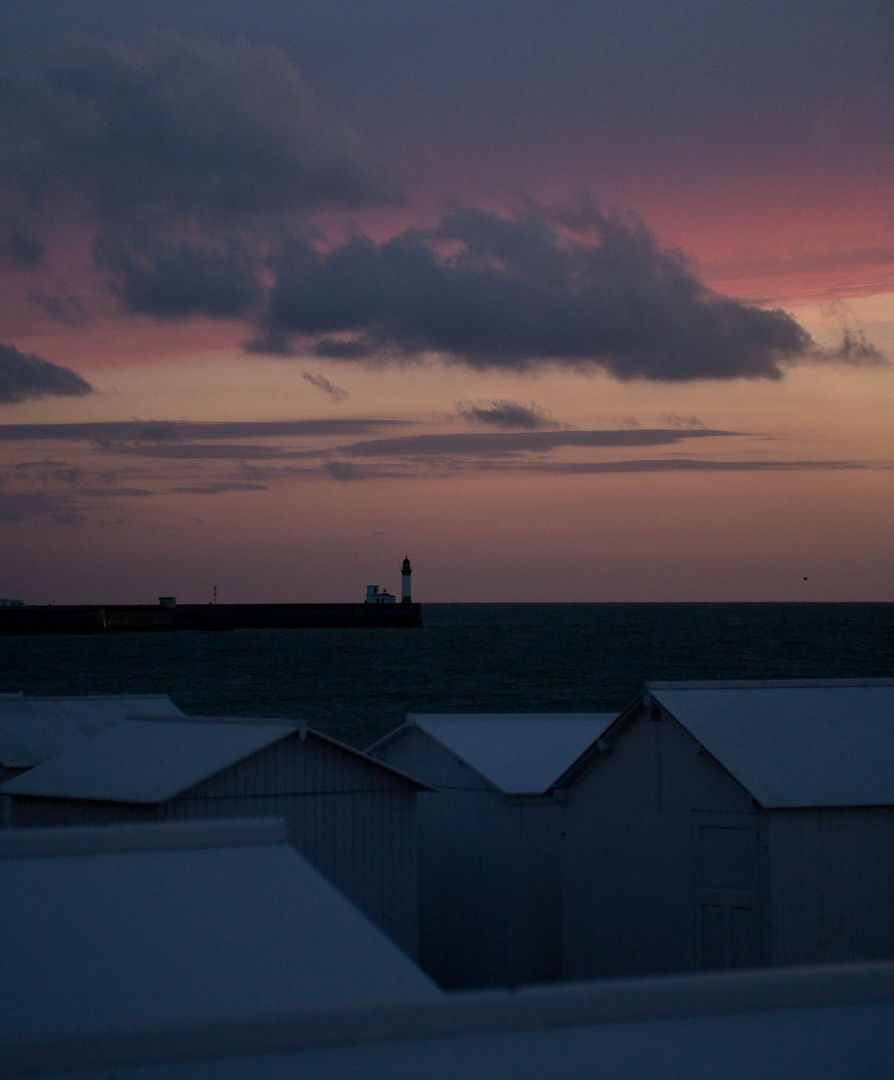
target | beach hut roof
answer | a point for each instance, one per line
(178, 923)
(33, 729)
(145, 761)
(519, 753)
(794, 743)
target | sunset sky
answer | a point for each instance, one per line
(568, 302)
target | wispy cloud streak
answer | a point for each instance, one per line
(176, 430)
(322, 383)
(498, 443)
(686, 465)
(507, 414)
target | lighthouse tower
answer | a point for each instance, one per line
(405, 592)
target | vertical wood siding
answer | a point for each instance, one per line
(489, 894)
(292, 766)
(831, 884)
(363, 842)
(637, 894)
(6, 800)
(488, 890)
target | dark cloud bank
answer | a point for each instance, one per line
(200, 165)
(190, 158)
(195, 128)
(580, 290)
(24, 376)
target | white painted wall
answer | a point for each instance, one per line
(831, 884)
(634, 873)
(489, 893)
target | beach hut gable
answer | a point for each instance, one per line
(513, 753)
(303, 765)
(149, 762)
(694, 767)
(416, 751)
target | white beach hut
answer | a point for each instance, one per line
(489, 864)
(352, 817)
(178, 925)
(730, 825)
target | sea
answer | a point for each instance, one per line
(357, 684)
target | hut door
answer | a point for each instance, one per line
(726, 887)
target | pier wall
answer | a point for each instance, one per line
(113, 618)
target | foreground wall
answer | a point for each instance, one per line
(821, 1024)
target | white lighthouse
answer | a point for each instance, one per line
(406, 596)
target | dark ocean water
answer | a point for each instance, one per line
(357, 684)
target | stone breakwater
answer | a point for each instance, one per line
(117, 618)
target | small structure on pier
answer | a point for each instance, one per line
(373, 596)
